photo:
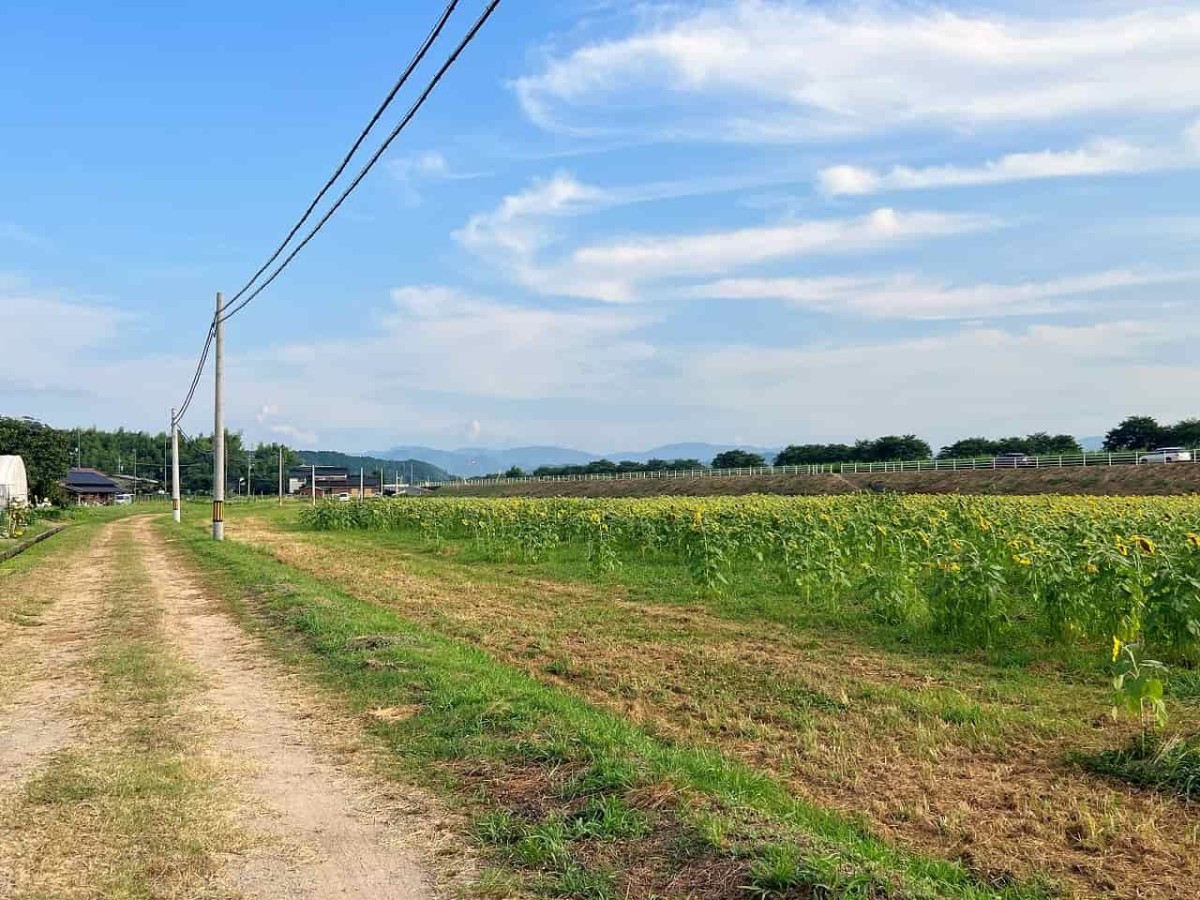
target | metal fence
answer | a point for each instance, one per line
(1076, 460)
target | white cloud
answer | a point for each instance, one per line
(973, 381)
(791, 70)
(518, 233)
(1102, 156)
(293, 436)
(517, 225)
(412, 172)
(41, 328)
(448, 341)
(654, 257)
(910, 297)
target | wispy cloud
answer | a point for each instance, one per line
(674, 256)
(518, 234)
(910, 297)
(1103, 156)
(764, 71)
(412, 173)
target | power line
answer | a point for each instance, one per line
(432, 37)
(418, 57)
(412, 111)
(187, 401)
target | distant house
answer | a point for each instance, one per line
(331, 481)
(89, 487)
(14, 486)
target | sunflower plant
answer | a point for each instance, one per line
(1138, 686)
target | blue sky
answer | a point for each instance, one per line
(614, 225)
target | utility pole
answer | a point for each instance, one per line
(281, 475)
(249, 471)
(135, 474)
(361, 495)
(313, 484)
(174, 467)
(218, 509)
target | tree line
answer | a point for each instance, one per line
(49, 452)
(605, 467)
(1134, 433)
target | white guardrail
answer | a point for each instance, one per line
(1095, 458)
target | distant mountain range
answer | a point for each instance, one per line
(482, 461)
(394, 468)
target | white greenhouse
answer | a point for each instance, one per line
(14, 487)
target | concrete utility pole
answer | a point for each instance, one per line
(281, 476)
(313, 484)
(174, 467)
(218, 506)
(249, 471)
(361, 495)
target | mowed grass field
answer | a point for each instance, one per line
(900, 697)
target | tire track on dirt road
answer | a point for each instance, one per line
(328, 833)
(42, 674)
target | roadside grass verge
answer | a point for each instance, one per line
(131, 809)
(942, 752)
(583, 802)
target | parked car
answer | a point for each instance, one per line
(343, 497)
(1013, 460)
(122, 499)
(1166, 455)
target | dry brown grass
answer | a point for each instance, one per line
(850, 727)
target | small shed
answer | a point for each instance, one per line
(14, 486)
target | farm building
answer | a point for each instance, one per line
(14, 486)
(331, 481)
(88, 487)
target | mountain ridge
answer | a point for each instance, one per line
(468, 461)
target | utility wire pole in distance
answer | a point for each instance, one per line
(174, 467)
(218, 507)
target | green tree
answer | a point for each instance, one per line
(737, 459)
(808, 454)
(1185, 433)
(892, 448)
(1042, 443)
(515, 472)
(1135, 433)
(46, 452)
(967, 448)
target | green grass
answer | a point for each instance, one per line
(1003, 683)
(567, 774)
(1171, 766)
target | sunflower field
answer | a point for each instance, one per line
(1074, 569)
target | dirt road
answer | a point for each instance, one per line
(146, 745)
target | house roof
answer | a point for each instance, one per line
(90, 481)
